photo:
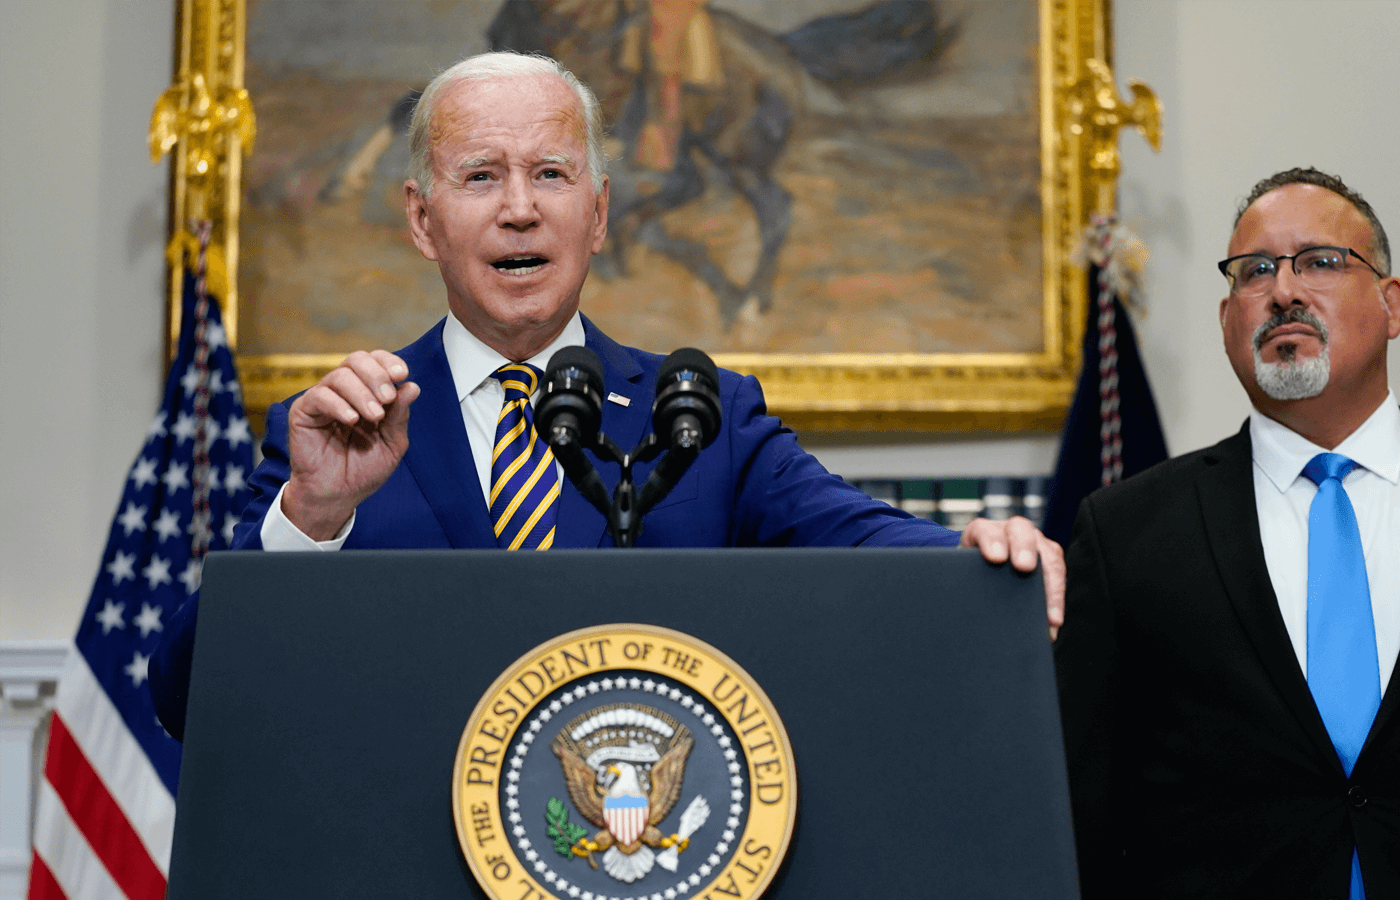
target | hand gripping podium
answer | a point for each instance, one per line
(330, 692)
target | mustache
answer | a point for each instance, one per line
(1294, 316)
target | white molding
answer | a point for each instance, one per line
(29, 673)
(32, 660)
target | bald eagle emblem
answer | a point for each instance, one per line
(624, 766)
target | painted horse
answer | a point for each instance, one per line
(718, 100)
(743, 89)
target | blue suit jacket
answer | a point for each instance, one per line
(753, 487)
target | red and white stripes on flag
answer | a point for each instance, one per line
(106, 807)
(104, 819)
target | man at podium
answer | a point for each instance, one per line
(507, 194)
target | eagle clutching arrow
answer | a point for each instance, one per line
(626, 787)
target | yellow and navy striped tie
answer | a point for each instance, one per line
(524, 483)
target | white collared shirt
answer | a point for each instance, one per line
(481, 397)
(1284, 495)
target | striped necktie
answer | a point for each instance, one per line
(524, 483)
(1343, 671)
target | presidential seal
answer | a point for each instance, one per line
(624, 762)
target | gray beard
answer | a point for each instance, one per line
(1292, 378)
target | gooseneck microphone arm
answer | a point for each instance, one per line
(580, 471)
(568, 414)
(685, 416)
(664, 477)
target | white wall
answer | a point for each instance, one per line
(1250, 87)
(82, 228)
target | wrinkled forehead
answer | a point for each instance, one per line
(506, 102)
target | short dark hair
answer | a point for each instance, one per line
(1380, 246)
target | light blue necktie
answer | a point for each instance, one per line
(1343, 672)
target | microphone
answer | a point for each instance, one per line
(687, 411)
(686, 415)
(568, 415)
(570, 407)
(685, 419)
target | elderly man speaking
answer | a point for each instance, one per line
(508, 196)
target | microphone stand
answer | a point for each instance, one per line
(570, 413)
(624, 512)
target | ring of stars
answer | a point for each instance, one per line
(708, 721)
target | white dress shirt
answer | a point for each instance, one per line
(1284, 495)
(481, 397)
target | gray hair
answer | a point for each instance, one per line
(500, 65)
(1380, 246)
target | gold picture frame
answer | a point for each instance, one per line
(206, 118)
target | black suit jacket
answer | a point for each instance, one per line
(1199, 765)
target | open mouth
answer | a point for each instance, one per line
(520, 265)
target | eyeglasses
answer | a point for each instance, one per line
(1318, 268)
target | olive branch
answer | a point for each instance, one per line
(564, 832)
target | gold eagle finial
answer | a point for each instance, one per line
(1096, 113)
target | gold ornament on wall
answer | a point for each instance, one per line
(1095, 113)
(207, 118)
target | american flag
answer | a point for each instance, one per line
(106, 805)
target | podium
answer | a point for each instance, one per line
(329, 693)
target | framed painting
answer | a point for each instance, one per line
(868, 205)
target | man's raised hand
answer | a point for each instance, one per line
(346, 436)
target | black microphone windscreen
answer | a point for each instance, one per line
(688, 359)
(572, 397)
(687, 387)
(577, 358)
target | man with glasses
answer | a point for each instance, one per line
(1233, 615)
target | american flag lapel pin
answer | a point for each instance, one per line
(614, 397)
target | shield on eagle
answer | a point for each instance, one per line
(626, 814)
